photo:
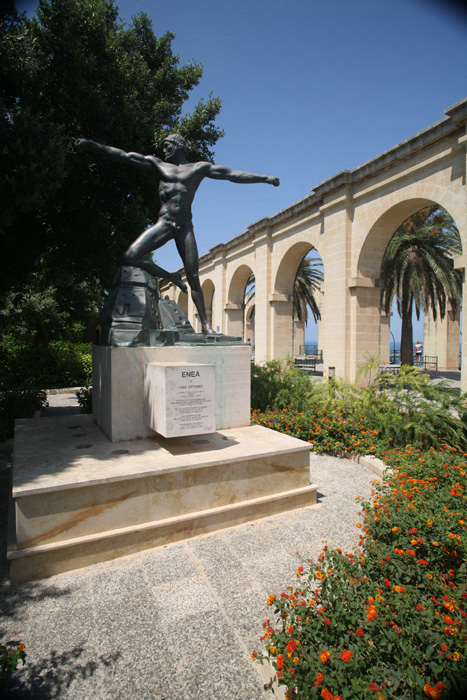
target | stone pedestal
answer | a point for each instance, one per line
(79, 499)
(118, 385)
(179, 399)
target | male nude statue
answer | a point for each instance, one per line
(179, 180)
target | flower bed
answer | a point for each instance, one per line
(390, 619)
(330, 432)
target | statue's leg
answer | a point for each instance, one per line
(186, 246)
(150, 240)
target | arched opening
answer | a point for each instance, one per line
(208, 293)
(182, 302)
(299, 301)
(382, 332)
(420, 284)
(249, 311)
(240, 307)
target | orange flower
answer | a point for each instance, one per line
(254, 655)
(431, 691)
(346, 655)
(371, 613)
(326, 694)
(324, 656)
(320, 677)
(271, 599)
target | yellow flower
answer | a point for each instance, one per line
(456, 656)
(296, 660)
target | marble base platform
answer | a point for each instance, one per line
(80, 499)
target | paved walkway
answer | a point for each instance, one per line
(178, 622)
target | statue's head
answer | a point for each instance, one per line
(172, 143)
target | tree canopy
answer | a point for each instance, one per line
(76, 70)
(418, 270)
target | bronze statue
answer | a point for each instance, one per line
(179, 180)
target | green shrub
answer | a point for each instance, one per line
(84, 397)
(61, 364)
(278, 384)
(18, 404)
(339, 417)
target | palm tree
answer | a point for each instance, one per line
(308, 280)
(418, 268)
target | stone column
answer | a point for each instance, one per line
(385, 345)
(365, 323)
(441, 340)
(299, 336)
(234, 315)
(282, 308)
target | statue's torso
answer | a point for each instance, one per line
(177, 189)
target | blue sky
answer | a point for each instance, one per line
(309, 88)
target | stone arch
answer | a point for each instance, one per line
(287, 267)
(182, 301)
(399, 207)
(235, 306)
(367, 291)
(288, 332)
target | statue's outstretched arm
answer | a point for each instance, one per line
(220, 172)
(135, 159)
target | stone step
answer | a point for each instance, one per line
(47, 560)
(80, 499)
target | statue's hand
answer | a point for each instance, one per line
(272, 180)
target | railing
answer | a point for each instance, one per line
(311, 350)
(430, 362)
(308, 364)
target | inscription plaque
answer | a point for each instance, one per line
(179, 399)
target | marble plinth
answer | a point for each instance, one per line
(118, 385)
(79, 499)
(179, 399)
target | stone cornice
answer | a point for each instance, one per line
(456, 117)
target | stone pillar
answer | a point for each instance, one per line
(441, 340)
(365, 313)
(234, 316)
(262, 306)
(299, 336)
(385, 344)
(282, 320)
